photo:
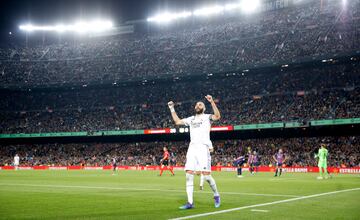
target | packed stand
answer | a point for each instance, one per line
(343, 152)
(327, 92)
(304, 31)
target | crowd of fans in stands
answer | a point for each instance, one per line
(343, 152)
(326, 92)
(223, 44)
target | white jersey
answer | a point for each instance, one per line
(16, 160)
(200, 126)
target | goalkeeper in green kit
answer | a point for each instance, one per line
(322, 164)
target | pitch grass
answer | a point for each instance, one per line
(144, 195)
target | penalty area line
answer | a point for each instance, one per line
(264, 204)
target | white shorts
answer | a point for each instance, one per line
(198, 158)
(16, 164)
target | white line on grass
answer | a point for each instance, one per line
(259, 210)
(282, 179)
(264, 204)
(146, 189)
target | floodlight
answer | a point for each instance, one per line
(209, 10)
(249, 6)
(167, 17)
(232, 6)
(80, 27)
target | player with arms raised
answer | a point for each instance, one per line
(198, 154)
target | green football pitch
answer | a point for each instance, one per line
(144, 195)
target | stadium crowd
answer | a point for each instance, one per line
(305, 31)
(344, 152)
(326, 92)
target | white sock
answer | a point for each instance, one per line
(190, 187)
(212, 184)
(202, 180)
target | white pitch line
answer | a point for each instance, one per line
(259, 210)
(288, 179)
(260, 194)
(146, 189)
(264, 204)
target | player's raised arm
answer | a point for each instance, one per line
(175, 117)
(216, 116)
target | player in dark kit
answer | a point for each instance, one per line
(280, 159)
(165, 162)
(114, 165)
(239, 162)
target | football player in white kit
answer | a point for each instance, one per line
(16, 161)
(198, 155)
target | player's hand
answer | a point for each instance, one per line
(209, 98)
(171, 104)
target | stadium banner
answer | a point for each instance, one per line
(93, 168)
(75, 167)
(353, 170)
(275, 125)
(342, 121)
(160, 131)
(121, 132)
(259, 126)
(40, 167)
(25, 168)
(292, 124)
(222, 128)
(58, 168)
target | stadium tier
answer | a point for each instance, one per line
(297, 95)
(293, 34)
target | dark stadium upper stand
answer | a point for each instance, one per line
(305, 31)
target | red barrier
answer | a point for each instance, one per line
(353, 170)
(40, 167)
(75, 167)
(7, 168)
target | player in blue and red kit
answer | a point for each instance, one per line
(239, 162)
(255, 162)
(280, 159)
(250, 162)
